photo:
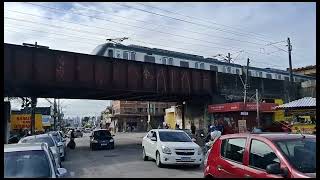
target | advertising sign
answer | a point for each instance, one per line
(23, 121)
(46, 120)
(242, 124)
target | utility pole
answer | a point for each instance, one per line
(290, 67)
(257, 100)
(229, 58)
(33, 112)
(245, 88)
(54, 114)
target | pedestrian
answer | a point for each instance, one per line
(193, 129)
(131, 128)
(213, 137)
(220, 125)
(177, 126)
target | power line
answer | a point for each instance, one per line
(186, 30)
(102, 28)
(178, 19)
(178, 35)
(201, 19)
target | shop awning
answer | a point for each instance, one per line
(306, 102)
(239, 106)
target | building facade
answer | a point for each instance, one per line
(133, 115)
(308, 70)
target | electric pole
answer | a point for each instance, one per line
(245, 88)
(257, 100)
(290, 67)
(54, 114)
(229, 58)
(33, 112)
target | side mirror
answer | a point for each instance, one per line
(274, 169)
(153, 139)
(201, 135)
(62, 172)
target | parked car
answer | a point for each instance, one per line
(188, 131)
(262, 155)
(30, 161)
(101, 138)
(59, 139)
(169, 146)
(45, 138)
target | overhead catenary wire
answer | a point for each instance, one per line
(188, 50)
(55, 9)
(184, 29)
(139, 27)
(132, 34)
(203, 20)
(221, 48)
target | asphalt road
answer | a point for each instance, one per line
(125, 161)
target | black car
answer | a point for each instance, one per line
(101, 138)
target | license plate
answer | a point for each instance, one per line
(104, 144)
(185, 158)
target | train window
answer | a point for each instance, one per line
(279, 76)
(286, 78)
(150, 59)
(249, 73)
(184, 64)
(125, 55)
(237, 71)
(110, 53)
(118, 54)
(260, 74)
(133, 56)
(196, 65)
(269, 76)
(164, 60)
(213, 68)
(170, 61)
(201, 65)
(229, 69)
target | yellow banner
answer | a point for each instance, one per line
(22, 121)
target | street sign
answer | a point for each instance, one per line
(244, 113)
(242, 124)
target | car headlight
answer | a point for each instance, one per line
(199, 151)
(94, 141)
(166, 150)
(111, 140)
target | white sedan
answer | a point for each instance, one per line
(169, 146)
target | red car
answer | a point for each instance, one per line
(262, 155)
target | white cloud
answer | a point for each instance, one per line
(277, 21)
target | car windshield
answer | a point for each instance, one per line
(167, 136)
(26, 164)
(102, 135)
(47, 140)
(56, 138)
(301, 153)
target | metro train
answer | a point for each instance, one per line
(160, 56)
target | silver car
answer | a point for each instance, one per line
(45, 138)
(59, 140)
(30, 161)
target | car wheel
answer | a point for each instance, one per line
(144, 156)
(158, 160)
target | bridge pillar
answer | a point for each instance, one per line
(7, 116)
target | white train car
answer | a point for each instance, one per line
(160, 56)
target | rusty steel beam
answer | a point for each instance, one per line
(51, 73)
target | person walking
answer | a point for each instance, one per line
(193, 129)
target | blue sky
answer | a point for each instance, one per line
(270, 22)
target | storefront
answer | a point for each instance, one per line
(301, 114)
(231, 113)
